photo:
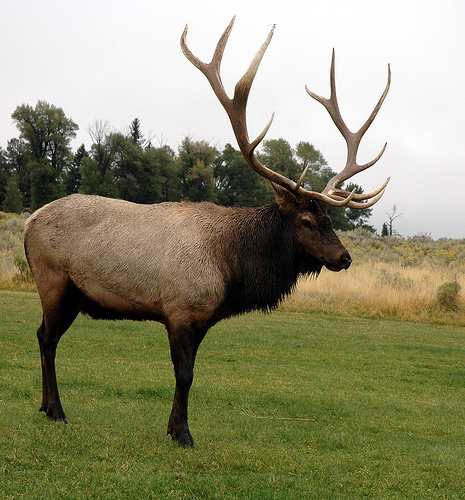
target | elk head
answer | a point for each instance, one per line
(308, 210)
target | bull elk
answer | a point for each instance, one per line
(187, 265)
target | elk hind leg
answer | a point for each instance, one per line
(59, 310)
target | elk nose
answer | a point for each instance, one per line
(346, 260)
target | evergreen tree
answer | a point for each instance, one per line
(357, 217)
(92, 181)
(4, 175)
(13, 201)
(135, 133)
(127, 166)
(17, 158)
(90, 177)
(72, 176)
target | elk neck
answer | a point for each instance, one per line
(261, 265)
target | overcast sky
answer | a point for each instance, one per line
(115, 60)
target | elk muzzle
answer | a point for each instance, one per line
(345, 260)
(340, 261)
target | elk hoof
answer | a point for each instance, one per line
(184, 440)
(56, 417)
(188, 443)
(61, 419)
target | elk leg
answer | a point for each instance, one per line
(54, 324)
(51, 403)
(40, 336)
(184, 343)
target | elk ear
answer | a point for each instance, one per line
(285, 199)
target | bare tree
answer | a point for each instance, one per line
(98, 131)
(392, 216)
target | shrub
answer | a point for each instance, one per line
(24, 274)
(447, 295)
(396, 280)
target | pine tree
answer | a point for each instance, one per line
(136, 133)
(13, 201)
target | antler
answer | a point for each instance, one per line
(236, 111)
(353, 141)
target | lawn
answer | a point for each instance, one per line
(284, 406)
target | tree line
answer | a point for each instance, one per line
(40, 166)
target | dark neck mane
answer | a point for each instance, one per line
(260, 257)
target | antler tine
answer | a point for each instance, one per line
(352, 140)
(211, 70)
(364, 196)
(365, 126)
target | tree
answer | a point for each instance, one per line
(136, 133)
(120, 166)
(392, 216)
(47, 132)
(137, 176)
(17, 158)
(95, 170)
(101, 149)
(92, 181)
(72, 176)
(4, 174)
(13, 201)
(45, 185)
(126, 166)
(200, 182)
(196, 161)
(165, 183)
(318, 176)
(310, 157)
(358, 217)
(278, 155)
(237, 183)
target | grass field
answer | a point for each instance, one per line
(284, 406)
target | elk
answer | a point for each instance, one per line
(187, 265)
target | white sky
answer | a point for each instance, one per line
(114, 60)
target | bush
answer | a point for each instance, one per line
(396, 280)
(24, 274)
(447, 295)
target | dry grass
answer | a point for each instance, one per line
(377, 289)
(14, 272)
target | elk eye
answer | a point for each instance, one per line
(306, 223)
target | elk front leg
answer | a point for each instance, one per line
(184, 342)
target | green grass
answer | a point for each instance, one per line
(284, 406)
